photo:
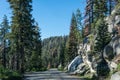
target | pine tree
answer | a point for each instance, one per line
(100, 9)
(88, 16)
(21, 35)
(72, 48)
(96, 9)
(66, 52)
(103, 36)
(102, 39)
(35, 60)
(62, 54)
(4, 30)
(79, 29)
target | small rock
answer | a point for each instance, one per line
(115, 76)
(113, 66)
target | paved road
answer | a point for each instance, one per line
(52, 74)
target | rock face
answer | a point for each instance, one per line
(115, 76)
(113, 48)
(82, 69)
(113, 22)
(111, 51)
(82, 64)
(75, 62)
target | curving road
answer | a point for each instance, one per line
(52, 74)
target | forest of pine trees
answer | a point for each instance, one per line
(20, 39)
(53, 51)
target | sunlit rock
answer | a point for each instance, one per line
(82, 69)
(75, 62)
(115, 76)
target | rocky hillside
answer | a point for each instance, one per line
(103, 65)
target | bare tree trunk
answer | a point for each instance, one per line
(22, 53)
(4, 52)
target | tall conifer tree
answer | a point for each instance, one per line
(21, 35)
(103, 36)
(79, 29)
(35, 60)
(4, 30)
(72, 48)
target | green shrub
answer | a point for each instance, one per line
(6, 74)
(103, 69)
(60, 68)
(118, 67)
(12, 76)
(43, 69)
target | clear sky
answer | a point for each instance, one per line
(53, 16)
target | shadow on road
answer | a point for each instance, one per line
(52, 74)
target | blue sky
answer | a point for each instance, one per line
(53, 16)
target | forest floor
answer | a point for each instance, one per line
(51, 74)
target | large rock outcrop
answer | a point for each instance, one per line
(75, 62)
(111, 51)
(113, 48)
(82, 64)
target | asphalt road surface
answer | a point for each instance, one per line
(52, 74)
